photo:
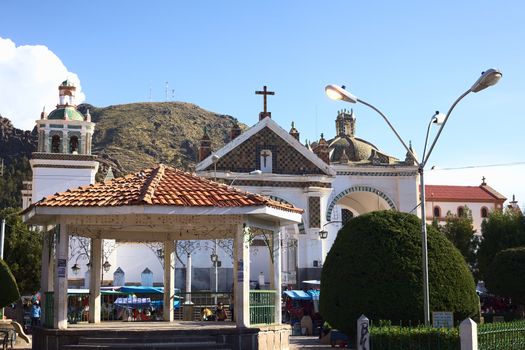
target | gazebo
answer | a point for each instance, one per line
(160, 204)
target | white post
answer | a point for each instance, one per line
(2, 236)
(241, 278)
(60, 289)
(169, 279)
(363, 333)
(468, 335)
(95, 280)
(188, 280)
(277, 271)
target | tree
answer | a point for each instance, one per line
(374, 268)
(22, 251)
(10, 291)
(502, 277)
(502, 230)
(460, 231)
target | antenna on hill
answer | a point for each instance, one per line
(150, 94)
(173, 94)
(166, 91)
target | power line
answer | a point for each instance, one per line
(478, 166)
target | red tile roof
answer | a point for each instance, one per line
(160, 185)
(482, 193)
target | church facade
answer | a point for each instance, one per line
(332, 180)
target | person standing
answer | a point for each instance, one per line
(35, 314)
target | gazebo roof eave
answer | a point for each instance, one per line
(44, 215)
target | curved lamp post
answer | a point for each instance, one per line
(488, 78)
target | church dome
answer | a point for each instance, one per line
(66, 113)
(346, 148)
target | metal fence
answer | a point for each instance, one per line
(502, 336)
(262, 307)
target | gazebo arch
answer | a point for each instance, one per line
(359, 188)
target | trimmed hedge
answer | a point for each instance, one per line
(8, 290)
(505, 274)
(374, 268)
(413, 338)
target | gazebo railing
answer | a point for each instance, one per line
(262, 307)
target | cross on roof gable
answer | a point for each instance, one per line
(283, 134)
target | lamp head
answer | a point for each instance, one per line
(438, 118)
(336, 92)
(75, 268)
(106, 266)
(215, 158)
(488, 78)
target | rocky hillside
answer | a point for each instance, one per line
(127, 137)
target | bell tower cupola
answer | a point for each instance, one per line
(63, 158)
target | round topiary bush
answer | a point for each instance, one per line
(374, 268)
(502, 277)
(8, 290)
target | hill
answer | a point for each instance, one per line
(127, 137)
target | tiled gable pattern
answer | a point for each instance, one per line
(314, 212)
(285, 159)
(160, 185)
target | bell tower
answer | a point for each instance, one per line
(63, 158)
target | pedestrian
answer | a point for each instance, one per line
(35, 314)
(220, 313)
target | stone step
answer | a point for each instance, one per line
(149, 346)
(148, 339)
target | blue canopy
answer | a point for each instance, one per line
(140, 290)
(298, 295)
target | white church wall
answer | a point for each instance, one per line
(452, 207)
(47, 181)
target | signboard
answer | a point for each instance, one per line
(442, 319)
(61, 267)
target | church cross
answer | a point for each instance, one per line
(265, 93)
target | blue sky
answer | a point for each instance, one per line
(408, 58)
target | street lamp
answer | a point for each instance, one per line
(323, 234)
(75, 268)
(106, 266)
(488, 78)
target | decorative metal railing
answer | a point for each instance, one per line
(262, 307)
(502, 336)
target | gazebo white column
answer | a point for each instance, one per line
(60, 287)
(169, 279)
(95, 280)
(277, 271)
(241, 278)
(46, 274)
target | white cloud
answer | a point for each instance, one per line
(29, 79)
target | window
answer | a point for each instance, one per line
(73, 144)
(55, 144)
(346, 215)
(437, 212)
(484, 212)
(461, 211)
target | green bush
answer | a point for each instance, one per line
(374, 268)
(502, 277)
(413, 338)
(9, 290)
